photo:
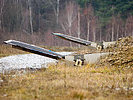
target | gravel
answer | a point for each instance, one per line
(26, 61)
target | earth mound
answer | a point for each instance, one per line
(121, 54)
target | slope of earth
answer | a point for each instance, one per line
(122, 54)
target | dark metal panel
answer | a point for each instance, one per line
(73, 39)
(34, 49)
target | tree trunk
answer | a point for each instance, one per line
(1, 11)
(70, 35)
(56, 9)
(88, 30)
(100, 35)
(118, 32)
(94, 34)
(30, 10)
(112, 39)
(57, 12)
(79, 25)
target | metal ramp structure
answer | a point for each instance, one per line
(34, 49)
(73, 39)
(99, 45)
(84, 58)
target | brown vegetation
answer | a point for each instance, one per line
(112, 81)
(122, 54)
(64, 82)
(6, 50)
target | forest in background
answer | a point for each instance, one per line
(33, 21)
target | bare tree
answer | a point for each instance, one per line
(68, 17)
(94, 28)
(89, 15)
(129, 26)
(100, 34)
(30, 14)
(116, 28)
(57, 14)
(56, 7)
(78, 23)
(2, 3)
(113, 23)
(112, 32)
(119, 27)
(111, 29)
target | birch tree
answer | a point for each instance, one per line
(119, 27)
(30, 15)
(56, 7)
(129, 26)
(94, 27)
(89, 15)
(112, 28)
(78, 23)
(68, 17)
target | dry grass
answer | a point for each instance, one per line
(6, 50)
(64, 82)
